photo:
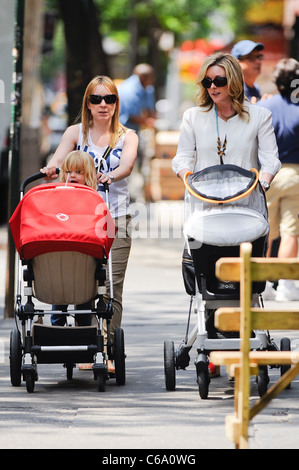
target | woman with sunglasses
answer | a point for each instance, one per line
(225, 127)
(114, 150)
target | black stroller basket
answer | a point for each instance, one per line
(200, 266)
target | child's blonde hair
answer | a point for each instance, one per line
(77, 160)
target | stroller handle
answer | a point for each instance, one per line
(34, 177)
(219, 201)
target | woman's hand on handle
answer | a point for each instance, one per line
(104, 178)
(181, 173)
(50, 172)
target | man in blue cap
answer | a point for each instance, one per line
(250, 58)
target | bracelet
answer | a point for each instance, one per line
(112, 178)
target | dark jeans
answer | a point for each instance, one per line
(58, 319)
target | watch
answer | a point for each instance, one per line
(265, 185)
(112, 178)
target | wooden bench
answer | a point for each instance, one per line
(244, 363)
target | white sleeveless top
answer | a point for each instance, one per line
(119, 197)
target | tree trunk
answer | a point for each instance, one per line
(85, 56)
(30, 160)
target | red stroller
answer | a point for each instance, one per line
(63, 234)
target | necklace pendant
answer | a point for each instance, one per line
(221, 148)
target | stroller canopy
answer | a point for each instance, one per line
(59, 217)
(227, 206)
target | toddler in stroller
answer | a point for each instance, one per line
(63, 233)
(78, 167)
(229, 207)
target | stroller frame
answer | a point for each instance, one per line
(205, 339)
(34, 343)
(232, 208)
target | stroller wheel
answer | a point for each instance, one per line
(29, 379)
(101, 382)
(169, 365)
(285, 345)
(262, 380)
(69, 370)
(15, 358)
(203, 381)
(119, 356)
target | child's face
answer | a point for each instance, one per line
(76, 177)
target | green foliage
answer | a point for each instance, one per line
(186, 19)
(55, 60)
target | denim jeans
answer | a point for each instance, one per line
(58, 319)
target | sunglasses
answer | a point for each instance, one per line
(218, 82)
(97, 99)
(252, 58)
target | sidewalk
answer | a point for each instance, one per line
(142, 414)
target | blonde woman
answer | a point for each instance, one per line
(224, 127)
(113, 148)
(78, 167)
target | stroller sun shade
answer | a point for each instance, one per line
(227, 206)
(55, 217)
(221, 183)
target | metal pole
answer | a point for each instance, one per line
(14, 151)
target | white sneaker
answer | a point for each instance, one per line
(269, 292)
(287, 291)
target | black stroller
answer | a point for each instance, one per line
(228, 208)
(63, 234)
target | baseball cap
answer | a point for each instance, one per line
(242, 48)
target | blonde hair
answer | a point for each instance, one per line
(235, 83)
(77, 160)
(86, 117)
